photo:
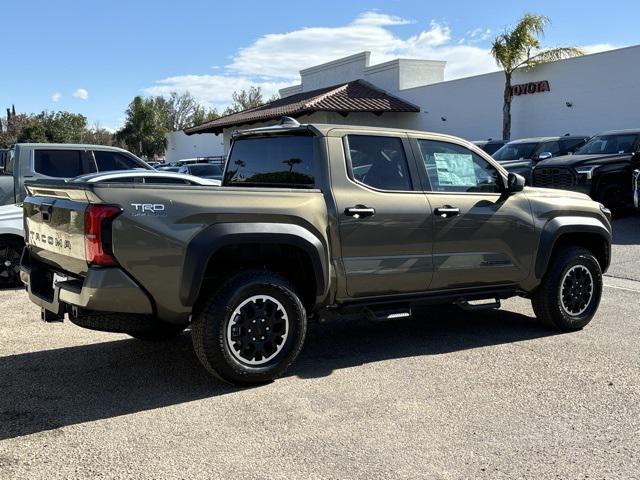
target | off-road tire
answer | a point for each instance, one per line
(142, 327)
(211, 324)
(547, 299)
(11, 251)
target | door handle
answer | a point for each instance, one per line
(359, 211)
(447, 211)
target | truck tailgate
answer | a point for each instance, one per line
(54, 229)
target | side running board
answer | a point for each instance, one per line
(385, 313)
(474, 307)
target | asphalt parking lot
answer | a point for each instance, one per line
(443, 395)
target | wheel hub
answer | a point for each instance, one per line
(576, 290)
(257, 330)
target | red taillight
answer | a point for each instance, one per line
(97, 238)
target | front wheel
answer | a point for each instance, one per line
(570, 292)
(251, 329)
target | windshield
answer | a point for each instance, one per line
(609, 144)
(515, 151)
(8, 161)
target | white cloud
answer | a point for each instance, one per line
(213, 90)
(479, 34)
(55, 97)
(380, 20)
(81, 93)
(274, 60)
(598, 47)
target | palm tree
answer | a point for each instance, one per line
(520, 47)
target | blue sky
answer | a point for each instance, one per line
(94, 57)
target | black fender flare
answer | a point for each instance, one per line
(210, 240)
(559, 226)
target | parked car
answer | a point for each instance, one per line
(167, 168)
(11, 216)
(58, 160)
(11, 245)
(294, 233)
(204, 170)
(601, 168)
(47, 160)
(519, 156)
(490, 146)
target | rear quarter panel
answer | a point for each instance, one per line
(150, 243)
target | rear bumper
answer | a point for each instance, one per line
(103, 289)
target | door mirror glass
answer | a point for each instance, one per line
(515, 183)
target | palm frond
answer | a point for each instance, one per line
(553, 54)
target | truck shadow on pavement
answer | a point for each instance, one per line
(433, 331)
(47, 390)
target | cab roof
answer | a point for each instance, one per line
(288, 125)
(75, 146)
(546, 139)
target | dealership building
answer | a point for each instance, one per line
(582, 95)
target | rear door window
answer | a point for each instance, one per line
(108, 161)
(275, 161)
(379, 162)
(60, 163)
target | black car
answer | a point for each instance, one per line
(519, 156)
(601, 168)
(203, 170)
(490, 145)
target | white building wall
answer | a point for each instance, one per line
(181, 145)
(603, 89)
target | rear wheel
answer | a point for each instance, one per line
(10, 253)
(570, 292)
(250, 329)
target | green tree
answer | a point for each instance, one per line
(245, 99)
(31, 130)
(144, 129)
(202, 115)
(520, 47)
(97, 135)
(14, 127)
(176, 110)
(62, 127)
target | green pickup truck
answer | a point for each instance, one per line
(311, 221)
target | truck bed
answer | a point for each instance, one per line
(150, 238)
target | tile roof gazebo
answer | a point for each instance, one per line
(351, 97)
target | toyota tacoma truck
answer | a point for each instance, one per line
(311, 221)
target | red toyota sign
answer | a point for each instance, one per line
(530, 88)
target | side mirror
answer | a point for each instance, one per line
(515, 183)
(544, 156)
